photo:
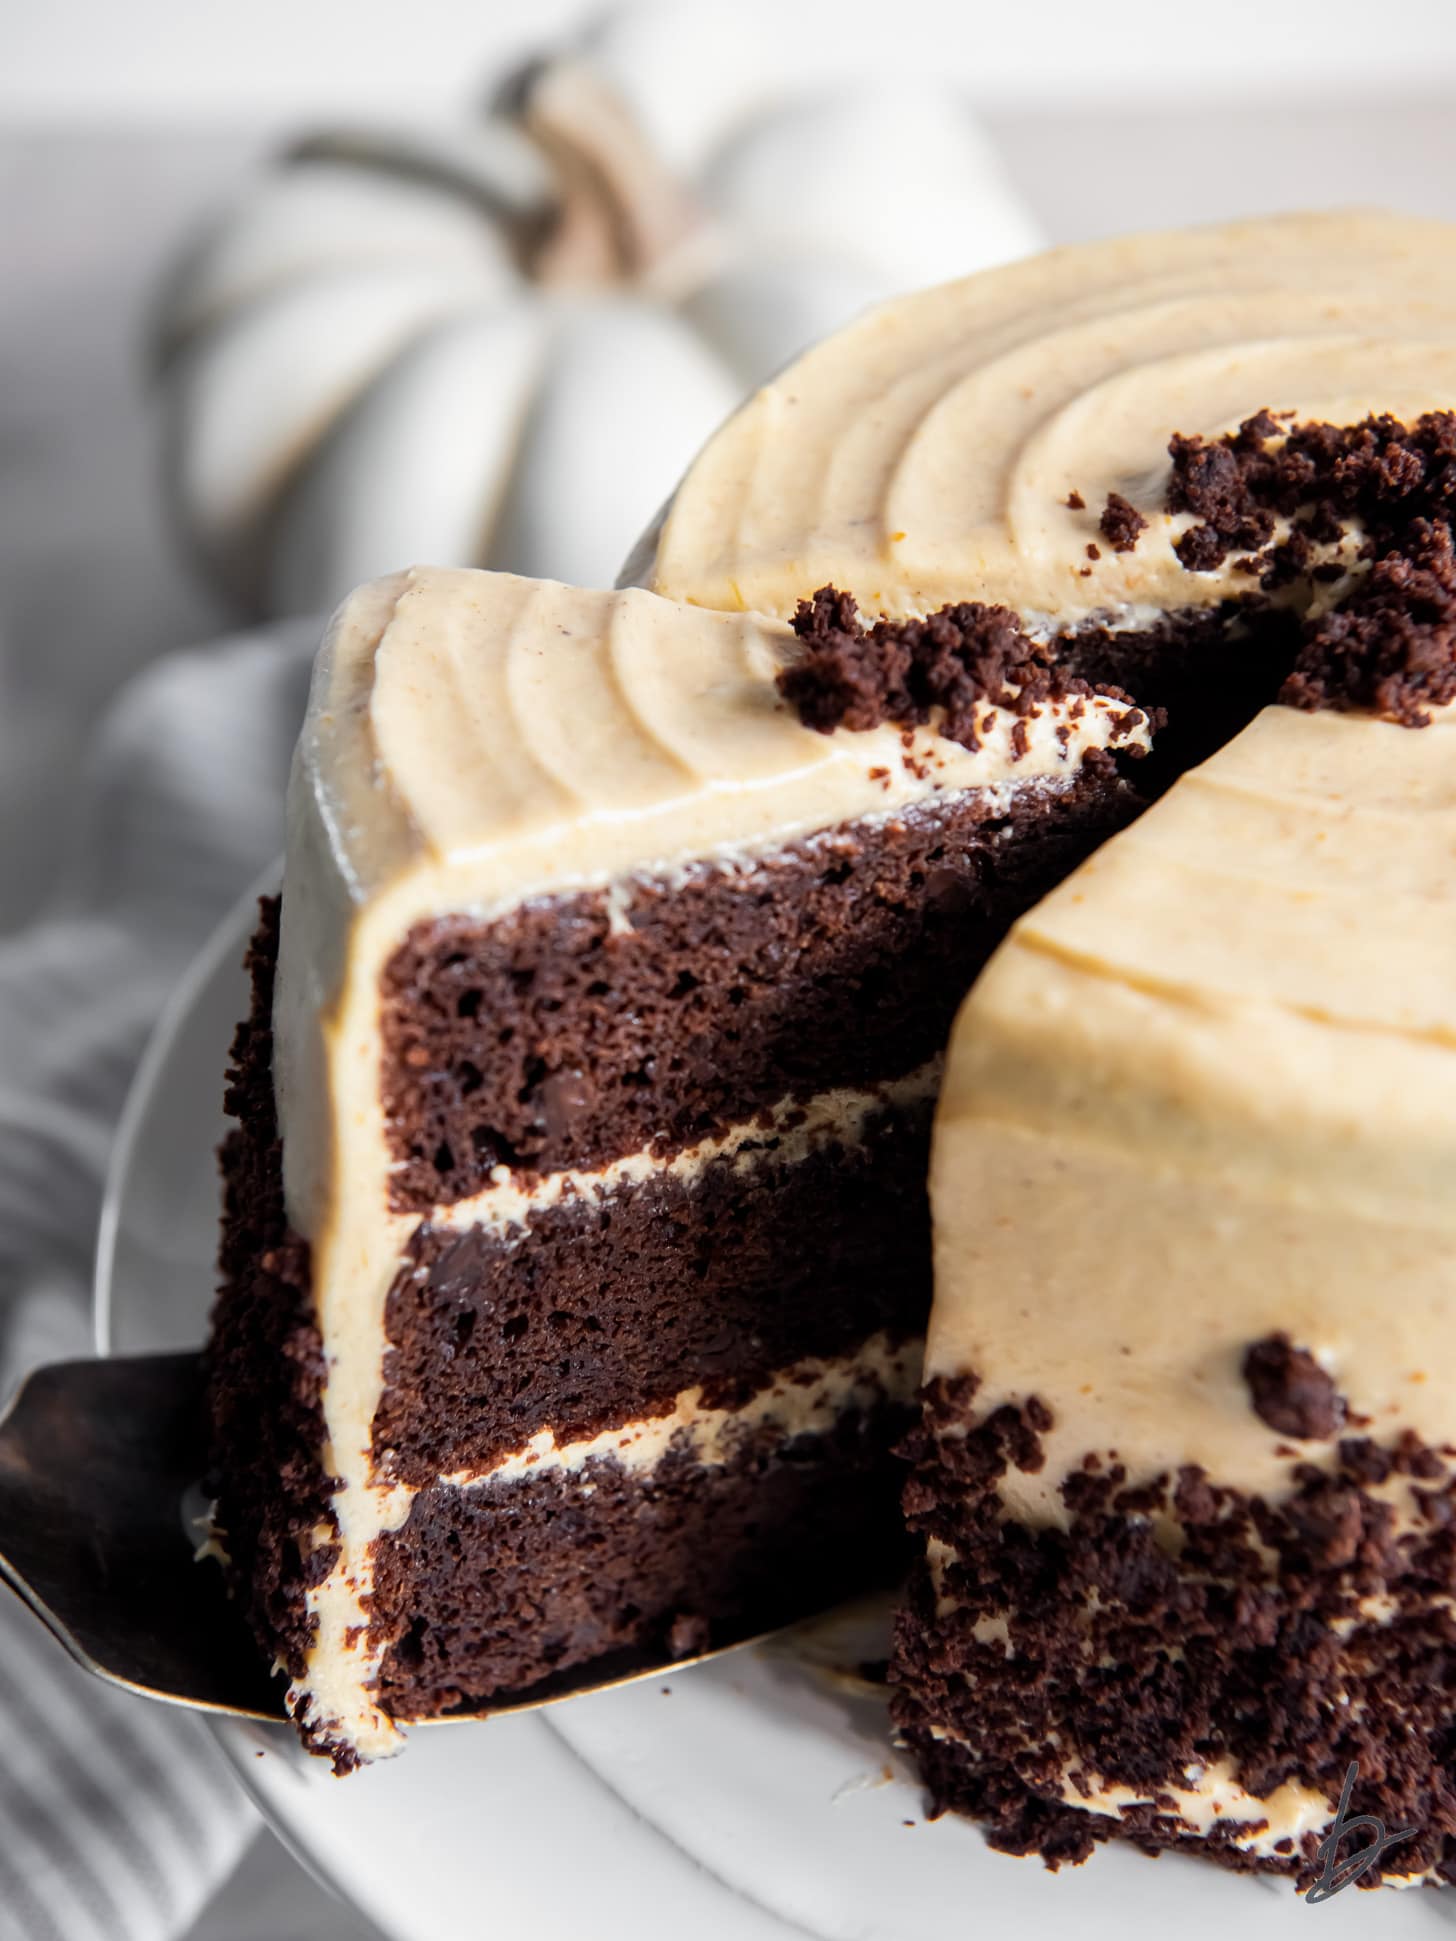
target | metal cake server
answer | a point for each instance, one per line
(97, 1460)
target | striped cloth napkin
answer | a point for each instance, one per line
(118, 1818)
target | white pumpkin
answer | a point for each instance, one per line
(502, 345)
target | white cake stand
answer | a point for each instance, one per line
(747, 1799)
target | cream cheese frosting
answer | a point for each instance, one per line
(929, 452)
(474, 741)
(1223, 1054)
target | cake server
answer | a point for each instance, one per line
(99, 1467)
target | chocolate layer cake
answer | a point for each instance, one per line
(577, 1247)
(620, 940)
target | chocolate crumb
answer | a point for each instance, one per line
(1121, 523)
(1248, 1642)
(1290, 1391)
(951, 663)
(1075, 502)
(1389, 644)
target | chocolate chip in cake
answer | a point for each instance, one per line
(562, 1099)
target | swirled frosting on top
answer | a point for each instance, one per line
(936, 450)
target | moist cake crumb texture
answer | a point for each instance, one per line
(1121, 523)
(912, 671)
(1290, 1391)
(265, 1360)
(1309, 1634)
(838, 962)
(1276, 493)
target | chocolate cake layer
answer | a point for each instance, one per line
(602, 1310)
(791, 1261)
(1285, 1641)
(264, 1362)
(573, 1031)
(487, 1590)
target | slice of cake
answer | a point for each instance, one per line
(576, 1258)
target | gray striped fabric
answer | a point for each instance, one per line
(118, 1818)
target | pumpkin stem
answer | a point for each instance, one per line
(621, 210)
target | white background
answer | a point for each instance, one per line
(245, 59)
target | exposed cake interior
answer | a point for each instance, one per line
(605, 1035)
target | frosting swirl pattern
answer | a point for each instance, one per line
(928, 453)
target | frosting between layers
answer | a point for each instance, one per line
(343, 1661)
(927, 453)
(787, 1133)
(805, 1399)
(1223, 1054)
(1213, 1798)
(474, 741)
